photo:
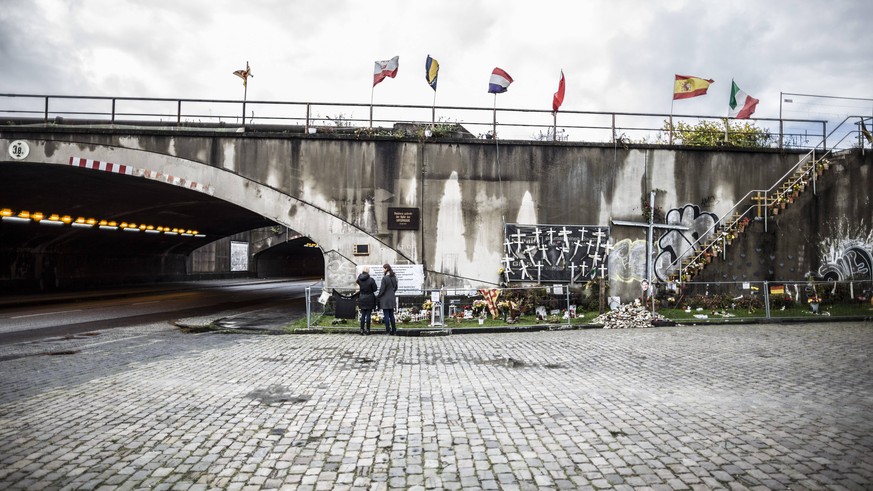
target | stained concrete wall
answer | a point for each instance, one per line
(338, 190)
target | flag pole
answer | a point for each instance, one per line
(494, 130)
(372, 90)
(433, 110)
(727, 116)
(671, 121)
(554, 126)
(245, 94)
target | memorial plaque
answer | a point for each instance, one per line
(403, 218)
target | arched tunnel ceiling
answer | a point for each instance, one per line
(104, 195)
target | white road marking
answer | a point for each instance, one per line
(45, 313)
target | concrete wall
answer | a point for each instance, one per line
(337, 191)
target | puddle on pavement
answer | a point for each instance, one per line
(507, 362)
(277, 394)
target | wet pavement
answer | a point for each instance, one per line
(709, 407)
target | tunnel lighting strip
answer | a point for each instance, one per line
(24, 216)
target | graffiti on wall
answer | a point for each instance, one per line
(846, 252)
(627, 261)
(675, 245)
(555, 253)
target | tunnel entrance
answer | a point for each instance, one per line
(294, 258)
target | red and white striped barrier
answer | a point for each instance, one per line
(133, 171)
(104, 166)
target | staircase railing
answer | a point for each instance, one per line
(716, 238)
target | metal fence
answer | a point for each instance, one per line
(690, 302)
(616, 128)
(559, 304)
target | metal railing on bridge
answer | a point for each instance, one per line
(617, 128)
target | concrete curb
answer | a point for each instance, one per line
(202, 324)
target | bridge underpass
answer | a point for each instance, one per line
(340, 190)
(48, 254)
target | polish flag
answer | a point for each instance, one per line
(385, 68)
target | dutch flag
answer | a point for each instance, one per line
(499, 82)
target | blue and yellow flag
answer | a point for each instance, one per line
(431, 71)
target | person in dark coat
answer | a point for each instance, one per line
(387, 299)
(366, 299)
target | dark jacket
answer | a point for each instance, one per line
(387, 299)
(367, 297)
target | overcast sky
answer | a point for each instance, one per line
(617, 55)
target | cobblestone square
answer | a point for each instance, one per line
(715, 407)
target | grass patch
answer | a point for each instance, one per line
(326, 323)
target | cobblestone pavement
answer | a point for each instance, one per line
(717, 407)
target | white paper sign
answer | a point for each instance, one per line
(325, 296)
(410, 277)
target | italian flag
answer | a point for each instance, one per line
(741, 104)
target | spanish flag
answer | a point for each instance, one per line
(686, 87)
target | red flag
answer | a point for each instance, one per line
(559, 95)
(244, 74)
(491, 300)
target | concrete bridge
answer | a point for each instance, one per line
(338, 189)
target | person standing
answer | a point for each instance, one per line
(387, 299)
(366, 298)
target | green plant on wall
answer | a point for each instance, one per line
(657, 214)
(712, 134)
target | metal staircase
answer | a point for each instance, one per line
(758, 205)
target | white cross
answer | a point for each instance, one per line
(576, 250)
(572, 271)
(565, 233)
(599, 234)
(528, 252)
(590, 243)
(551, 234)
(539, 266)
(508, 245)
(582, 234)
(537, 234)
(595, 258)
(507, 261)
(603, 270)
(545, 249)
(524, 271)
(583, 266)
(518, 236)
